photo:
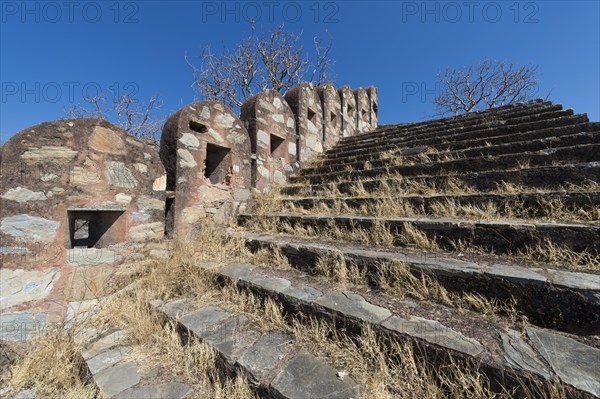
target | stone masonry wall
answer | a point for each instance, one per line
(272, 128)
(206, 151)
(363, 111)
(77, 197)
(373, 106)
(348, 104)
(332, 114)
(306, 105)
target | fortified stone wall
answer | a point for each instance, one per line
(373, 106)
(363, 111)
(348, 104)
(306, 106)
(78, 196)
(270, 123)
(206, 152)
(332, 114)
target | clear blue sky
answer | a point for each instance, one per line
(52, 51)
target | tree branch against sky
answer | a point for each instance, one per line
(140, 119)
(484, 85)
(274, 60)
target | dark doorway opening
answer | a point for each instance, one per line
(216, 167)
(169, 217)
(95, 228)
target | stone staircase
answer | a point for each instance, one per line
(499, 205)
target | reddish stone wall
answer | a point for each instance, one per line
(206, 152)
(60, 172)
(306, 106)
(349, 111)
(272, 128)
(363, 114)
(373, 106)
(332, 114)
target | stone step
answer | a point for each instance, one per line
(525, 143)
(540, 205)
(464, 120)
(442, 335)
(274, 363)
(547, 178)
(385, 144)
(120, 377)
(551, 298)
(494, 236)
(563, 155)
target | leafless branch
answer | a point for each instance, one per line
(485, 85)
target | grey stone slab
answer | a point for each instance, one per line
(93, 256)
(29, 228)
(266, 353)
(110, 340)
(305, 376)
(434, 332)
(352, 304)
(516, 274)
(270, 283)
(116, 379)
(202, 319)
(519, 355)
(171, 390)
(232, 337)
(22, 326)
(237, 271)
(303, 293)
(575, 363)
(179, 308)
(18, 286)
(579, 281)
(107, 358)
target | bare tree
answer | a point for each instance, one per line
(136, 118)
(484, 85)
(275, 60)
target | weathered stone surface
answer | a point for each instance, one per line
(434, 332)
(21, 194)
(81, 311)
(147, 231)
(22, 326)
(186, 159)
(189, 140)
(581, 281)
(575, 363)
(232, 337)
(270, 283)
(106, 140)
(170, 390)
(304, 293)
(49, 153)
(203, 319)
(118, 378)
(519, 355)
(27, 227)
(93, 256)
(305, 376)
(89, 282)
(237, 271)
(20, 286)
(119, 175)
(354, 305)
(266, 353)
(177, 309)
(147, 203)
(517, 274)
(95, 345)
(107, 358)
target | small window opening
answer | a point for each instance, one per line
(277, 147)
(312, 116)
(95, 229)
(216, 167)
(198, 127)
